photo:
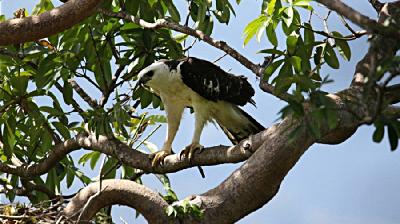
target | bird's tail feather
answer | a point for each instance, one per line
(238, 125)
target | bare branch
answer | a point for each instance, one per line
(124, 192)
(353, 36)
(163, 23)
(356, 17)
(92, 102)
(32, 28)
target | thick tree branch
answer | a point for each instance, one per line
(32, 28)
(164, 23)
(259, 178)
(380, 50)
(209, 156)
(124, 192)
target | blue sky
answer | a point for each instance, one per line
(355, 182)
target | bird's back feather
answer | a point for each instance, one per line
(213, 83)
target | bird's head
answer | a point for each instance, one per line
(153, 74)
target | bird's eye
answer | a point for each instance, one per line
(149, 74)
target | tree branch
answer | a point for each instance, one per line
(356, 17)
(92, 102)
(113, 147)
(163, 23)
(124, 192)
(51, 22)
(259, 178)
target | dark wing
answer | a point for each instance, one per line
(213, 83)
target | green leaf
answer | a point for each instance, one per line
(271, 35)
(254, 27)
(330, 57)
(303, 3)
(271, 51)
(319, 54)
(62, 130)
(9, 137)
(67, 93)
(291, 43)
(342, 46)
(70, 177)
(309, 37)
(289, 16)
(201, 13)
(393, 137)
(86, 157)
(42, 6)
(173, 11)
(296, 62)
(52, 180)
(20, 82)
(145, 99)
(93, 160)
(271, 7)
(379, 132)
(271, 69)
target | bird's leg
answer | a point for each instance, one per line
(174, 115)
(195, 145)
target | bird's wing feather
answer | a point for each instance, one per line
(213, 83)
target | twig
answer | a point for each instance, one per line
(353, 36)
(216, 60)
(148, 136)
(92, 102)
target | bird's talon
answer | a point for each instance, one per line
(190, 150)
(158, 157)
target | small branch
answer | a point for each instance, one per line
(356, 17)
(92, 102)
(84, 76)
(163, 23)
(353, 36)
(112, 86)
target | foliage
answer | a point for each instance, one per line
(43, 83)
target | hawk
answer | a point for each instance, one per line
(213, 94)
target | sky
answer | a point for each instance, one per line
(355, 182)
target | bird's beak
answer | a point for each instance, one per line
(143, 80)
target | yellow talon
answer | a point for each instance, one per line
(189, 150)
(158, 157)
